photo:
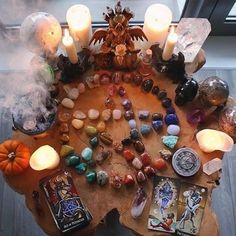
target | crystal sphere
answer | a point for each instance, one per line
(213, 91)
(227, 121)
(41, 33)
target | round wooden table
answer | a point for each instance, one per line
(100, 200)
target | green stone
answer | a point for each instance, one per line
(81, 168)
(91, 176)
(72, 160)
(91, 131)
(169, 141)
(66, 150)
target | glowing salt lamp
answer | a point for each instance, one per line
(210, 140)
(44, 157)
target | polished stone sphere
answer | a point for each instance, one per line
(41, 33)
(213, 91)
(227, 121)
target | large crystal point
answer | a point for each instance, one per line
(192, 33)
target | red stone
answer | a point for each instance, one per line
(128, 155)
(159, 164)
(146, 159)
(128, 180)
(140, 176)
(149, 171)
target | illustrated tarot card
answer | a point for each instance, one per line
(64, 202)
(191, 204)
(163, 209)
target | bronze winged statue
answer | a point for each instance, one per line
(117, 49)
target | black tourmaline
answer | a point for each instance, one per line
(155, 90)
(162, 94)
(166, 102)
(147, 85)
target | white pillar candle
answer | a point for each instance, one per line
(70, 48)
(79, 20)
(44, 157)
(156, 24)
(169, 45)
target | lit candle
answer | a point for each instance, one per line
(210, 140)
(44, 157)
(79, 20)
(169, 45)
(156, 24)
(70, 47)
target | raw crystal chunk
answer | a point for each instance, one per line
(192, 33)
(212, 166)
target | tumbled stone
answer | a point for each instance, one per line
(157, 125)
(170, 141)
(72, 160)
(166, 102)
(77, 124)
(159, 164)
(137, 164)
(105, 79)
(171, 119)
(94, 142)
(106, 138)
(116, 114)
(121, 91)
(101, 126)
(137, 79)
(118, 146)
(87, 154)
(79, 115)
(106, 114)
(129, 115)
(102, 156)
(93, 114)
(116, 181)
(73, 93)
(64, 128)
(81, 168)
(173, 129)
(170, 110)
(162, 94)
(64, 117)
(146, 159)
(132, 124)
(139, 146)
(117, 77)
(149, 171)
(81, 88)
(157, 116)
(109, 102)
(145, 129)
(66, 150)
(90, 130)
(68, 103)
(64, 138)
(128, 155)
(155, 90)
(143, 114)
(128, 180)
(127, 77)
(91, 176)
(126, 103)
(134, 134)
(102, 177)
(112, 90)
(165, 154)
(140, 177)
(91, 164)
(147, 85)
(127, 141)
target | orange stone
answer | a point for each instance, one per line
(159, 164)
(128, 155)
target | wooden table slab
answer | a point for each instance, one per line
(100, 200)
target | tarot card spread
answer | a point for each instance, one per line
(191, 204)
(163, 210)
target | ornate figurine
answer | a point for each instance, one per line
(117, 49)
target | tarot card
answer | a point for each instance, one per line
(163, 209)
(64, 202)
(191, 204)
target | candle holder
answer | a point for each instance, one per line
(174, 68)
(71, 71)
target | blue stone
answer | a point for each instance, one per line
(134, 134)
(87, 154)
(170, 110)
(171, 119)
(81, 168)
(157, 125)
(132, 124)
(145, 129)
(143, 115)
(170, 141)
(94, 142)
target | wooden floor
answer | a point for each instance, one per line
(16, 220)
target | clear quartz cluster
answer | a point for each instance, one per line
(192, 33)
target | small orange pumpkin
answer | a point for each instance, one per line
(14, 157)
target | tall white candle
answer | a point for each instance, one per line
(156, 24)
(70, 48)
(79, 20)
(169, 45)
